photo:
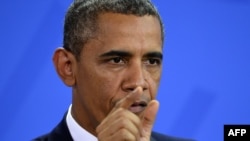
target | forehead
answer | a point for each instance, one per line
(114, 25)
(112, 20)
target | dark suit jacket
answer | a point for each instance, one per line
(61, 133)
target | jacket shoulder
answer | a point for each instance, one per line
(59, 133)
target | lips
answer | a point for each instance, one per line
(138, 106)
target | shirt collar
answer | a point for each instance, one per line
(77, 132)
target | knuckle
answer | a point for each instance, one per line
(125, 135)
(121, 112)
(123, 123)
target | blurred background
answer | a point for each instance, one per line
(206, 71)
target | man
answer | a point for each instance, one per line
(112, 59)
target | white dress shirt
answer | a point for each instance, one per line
(77, 132)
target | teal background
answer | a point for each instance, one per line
(206, 70)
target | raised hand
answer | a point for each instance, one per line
(121, 124)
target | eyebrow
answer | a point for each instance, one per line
(127, 54)
(116, 53)
(154, 55)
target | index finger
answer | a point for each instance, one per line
(128, 100)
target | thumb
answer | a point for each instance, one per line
(149, 117)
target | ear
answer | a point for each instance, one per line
(64, 63)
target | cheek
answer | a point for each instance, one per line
(153, 89)
(108, 91)
(96, 89)
(153, 80)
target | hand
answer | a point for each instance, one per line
(121, 124)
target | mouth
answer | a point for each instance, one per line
(138, 107)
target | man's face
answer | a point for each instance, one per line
(125, 54)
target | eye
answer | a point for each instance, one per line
(117, 60)
(153, 62)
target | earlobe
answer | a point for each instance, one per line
(64, 62)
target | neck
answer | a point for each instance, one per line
(82, 119)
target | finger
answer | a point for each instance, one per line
(124, 103)
(149, 117)
(121, 135)
(121, 110)
(121, 123)
(119, 114)
(128, 100)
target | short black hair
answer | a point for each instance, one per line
(80, 20)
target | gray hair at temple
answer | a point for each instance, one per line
(81, 19)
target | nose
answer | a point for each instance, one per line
(134, 77)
